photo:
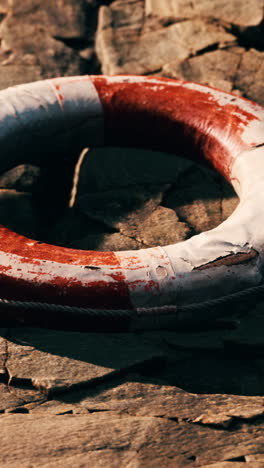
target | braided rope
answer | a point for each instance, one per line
(46, 307)
(229, 299)
(147, 313)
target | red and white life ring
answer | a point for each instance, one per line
(156, 113)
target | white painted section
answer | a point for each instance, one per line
(35, 120)
(241, 232)
(188, 285)
(144, 270)
(248, 169)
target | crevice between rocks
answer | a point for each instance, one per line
(75, 43)
(204, 50)
(242, 459)
(143, 244)
(249, 37)
(229, 422)
(154, 72)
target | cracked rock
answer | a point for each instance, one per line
(108, 192)
(14, 399)
(225, 419)
(138, 398)
(250, 75)
(26, 36)
(217, 68)
(162, 227)
(196, 198)
(88, 440)
(123, 209)
(239, 12)
(44, 359)
(128, 49)
(23, 178)
(112, 440)
(66, 18)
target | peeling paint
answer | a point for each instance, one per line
(231, 259)
(218, 127)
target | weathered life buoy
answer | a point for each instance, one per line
(155, 113)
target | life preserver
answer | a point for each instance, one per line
(157, 113)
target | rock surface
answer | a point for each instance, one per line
(42, 358)
(123, 46)
(191, 397)
(215, 43)
(40, 39)
(23, 178)
(239, 12)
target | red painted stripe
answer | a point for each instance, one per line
(32, 250)
(176, 119)
(97, 294)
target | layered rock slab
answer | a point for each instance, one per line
(128, 46)
(138, 398)
(45, 361)
(192, 41)
(237, 12)
(31, 36)
(106, 439)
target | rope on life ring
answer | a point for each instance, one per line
(154, 113)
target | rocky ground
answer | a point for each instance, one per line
(191, 397)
